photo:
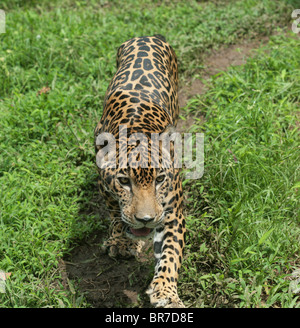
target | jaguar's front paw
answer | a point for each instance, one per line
(164, 295)
(122, 247)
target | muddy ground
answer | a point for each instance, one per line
(107, 282)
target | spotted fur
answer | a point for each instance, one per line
(144, 201)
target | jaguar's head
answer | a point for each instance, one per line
(141, 185)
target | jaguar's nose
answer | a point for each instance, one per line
(145, 219)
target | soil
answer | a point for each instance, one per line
(108, 282)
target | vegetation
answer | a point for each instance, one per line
(248, 236)
(56, 60)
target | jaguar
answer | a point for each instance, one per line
(144, 200)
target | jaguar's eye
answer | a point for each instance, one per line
(160, 178)
(124, 180)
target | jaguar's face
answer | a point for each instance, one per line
(140, 178)
(141, 194)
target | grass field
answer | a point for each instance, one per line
(56, 60)
(249, 233)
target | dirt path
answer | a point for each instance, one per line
(110, 283)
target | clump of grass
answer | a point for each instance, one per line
(246, 206)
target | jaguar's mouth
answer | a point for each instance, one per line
(141, 232)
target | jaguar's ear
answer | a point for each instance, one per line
(170, 129)
(105, 145)
(171, 147)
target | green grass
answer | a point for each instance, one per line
(244, 238)
(47, 172)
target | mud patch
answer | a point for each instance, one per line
(108, 282)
